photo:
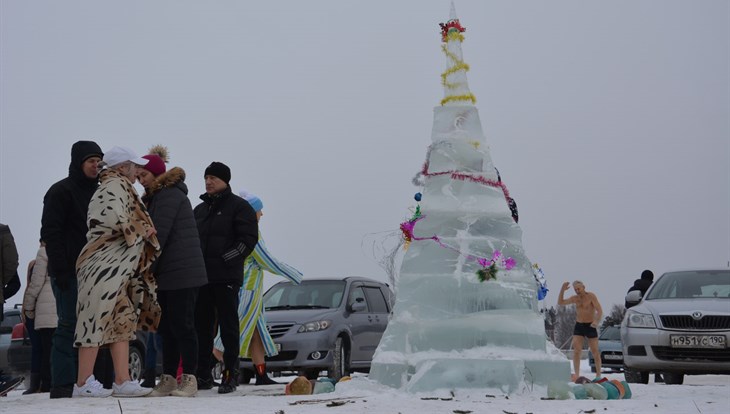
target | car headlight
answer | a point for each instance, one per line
(640, 320)
(314, 326)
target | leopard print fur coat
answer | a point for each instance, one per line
(116, 293)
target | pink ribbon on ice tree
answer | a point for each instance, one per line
(489, 266)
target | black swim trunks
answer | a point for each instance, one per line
(585, 329)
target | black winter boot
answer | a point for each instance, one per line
(35, 384)
(62, 391)
(261, 377)
(228, 382)
(45, 385)
(204, 383)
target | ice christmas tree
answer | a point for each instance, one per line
(466, 314)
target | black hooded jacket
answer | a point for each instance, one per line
(641, 285)
(229, 232)
(65, 205)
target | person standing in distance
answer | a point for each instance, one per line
(588, 316)
(9, 270)
(8, 260)
(116, 290)
(255, 341)
(642, 284)
(63, 229)
(228, 234)
(179, 271)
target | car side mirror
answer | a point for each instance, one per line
(633, 297)
(358, 305)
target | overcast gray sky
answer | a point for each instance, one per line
(609, 121)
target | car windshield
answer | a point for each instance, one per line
(611, 333)
(310, 294)
(692, 284)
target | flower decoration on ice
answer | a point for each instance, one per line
(490, 267)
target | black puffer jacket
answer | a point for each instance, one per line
(180, 264)
(63, 224)
(228, 234)
(641, 285)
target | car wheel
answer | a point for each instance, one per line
(673, 378)
(339, 361)
(135, 362)
(636, 377)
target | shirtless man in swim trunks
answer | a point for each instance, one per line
(588, 316)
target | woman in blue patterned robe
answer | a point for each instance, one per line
(256, 343)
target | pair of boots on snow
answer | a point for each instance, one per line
(229, 381)
(38, 384)
(185, 385)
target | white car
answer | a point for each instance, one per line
(681, 327)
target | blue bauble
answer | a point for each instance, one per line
(417, 196)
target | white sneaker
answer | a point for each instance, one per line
(130, 389)
(91, 388)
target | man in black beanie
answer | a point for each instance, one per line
(63, 229)
(228, 234)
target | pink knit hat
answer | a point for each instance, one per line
(155, 165)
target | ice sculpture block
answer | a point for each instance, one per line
(448, 329)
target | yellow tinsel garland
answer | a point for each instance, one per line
(467, 97)
(458, 65)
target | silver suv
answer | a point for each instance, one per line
(681, 327)
(331, 325)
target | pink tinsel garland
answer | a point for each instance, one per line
(497, 257)
(468, 177)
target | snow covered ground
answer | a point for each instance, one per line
(699, 394)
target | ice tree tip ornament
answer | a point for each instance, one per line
(449, 330)
(456, 87)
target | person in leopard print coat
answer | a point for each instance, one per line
(116, 294)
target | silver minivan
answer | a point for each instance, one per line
(681, 327)
(331, 325)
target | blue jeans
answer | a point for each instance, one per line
(154, 344)
(64, 357)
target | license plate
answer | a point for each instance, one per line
(278, 347)
(613, 357)
(697, 341)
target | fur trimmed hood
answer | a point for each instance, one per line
(173, 177)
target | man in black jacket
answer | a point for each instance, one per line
(8, 262)
(228, 234)
(642, 284)
(63, 228)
